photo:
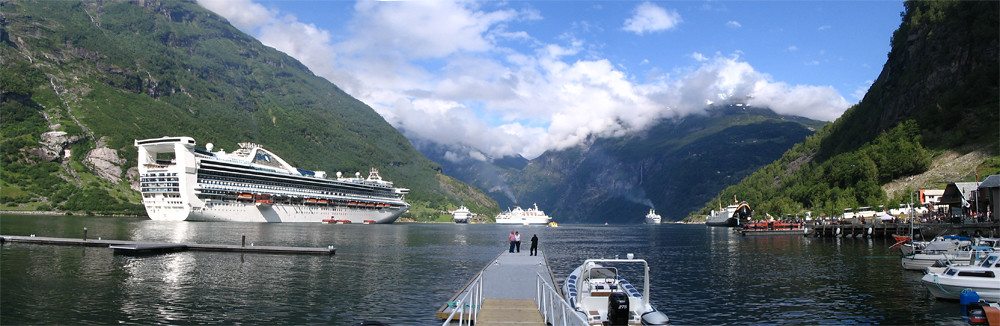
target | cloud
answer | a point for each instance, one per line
(649, 17)
(824, 27)
(244, 14)
(733, 24)
(792, 48)
(459, 84)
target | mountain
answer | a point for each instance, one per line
(935, 100)
(674, 166)
(82, 80)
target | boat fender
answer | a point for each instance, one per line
(655, 318)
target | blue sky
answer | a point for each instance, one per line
(521, 77)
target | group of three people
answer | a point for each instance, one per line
(515, 243)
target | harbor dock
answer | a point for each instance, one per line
(145, 248)
(509, 291)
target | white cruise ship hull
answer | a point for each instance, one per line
(250, 212)
(524, 221)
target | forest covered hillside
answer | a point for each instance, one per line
(937, 98)
(81, 80)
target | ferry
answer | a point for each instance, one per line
(179, 182)
(730, 216)
(652, 217)
(531, 216)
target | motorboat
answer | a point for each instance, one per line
(938, 244)
(984, 278)
(944, 251)
(602, 297)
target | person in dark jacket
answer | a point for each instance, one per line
(534, 245)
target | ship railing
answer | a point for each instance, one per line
(467, 307)
(553, 307)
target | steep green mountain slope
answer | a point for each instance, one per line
(674, 167)
(938, 92)
(82, 80)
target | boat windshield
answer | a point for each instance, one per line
(603, 272)
(990, 260)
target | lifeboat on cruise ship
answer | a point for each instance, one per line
(329, 220)
(263, 200)
(244, 197)
(321, 201)
(369, 221)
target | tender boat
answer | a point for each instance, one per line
(652, 217)
(984, 278)
(603, 297)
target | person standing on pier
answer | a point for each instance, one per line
(517, 241)
(534, 245)
(511, 238)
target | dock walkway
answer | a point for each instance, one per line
(508, 285)
(139, 247)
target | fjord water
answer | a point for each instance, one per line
(402, 273)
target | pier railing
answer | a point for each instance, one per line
(467, 307)
(554, 309)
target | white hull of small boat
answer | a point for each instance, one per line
(984, 278)
(602, 297)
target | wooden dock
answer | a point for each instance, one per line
(146, 248)
(922, 230)
(508, 290)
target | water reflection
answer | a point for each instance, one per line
(402, 273)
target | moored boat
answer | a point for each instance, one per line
(984, 278)
(603, 297)
(730, 216)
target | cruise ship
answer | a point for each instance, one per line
(531, 216)
(461, 215)
(179, 182)
(730, 216)
(652, 217)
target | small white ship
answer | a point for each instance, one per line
(531, 216)
(652, 217)
(461, 215)
(181, 183)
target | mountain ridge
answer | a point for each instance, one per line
(94, 76)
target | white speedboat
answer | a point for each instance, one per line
(603, 297)
(652, 217)
(984, 278)
(461, 215)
